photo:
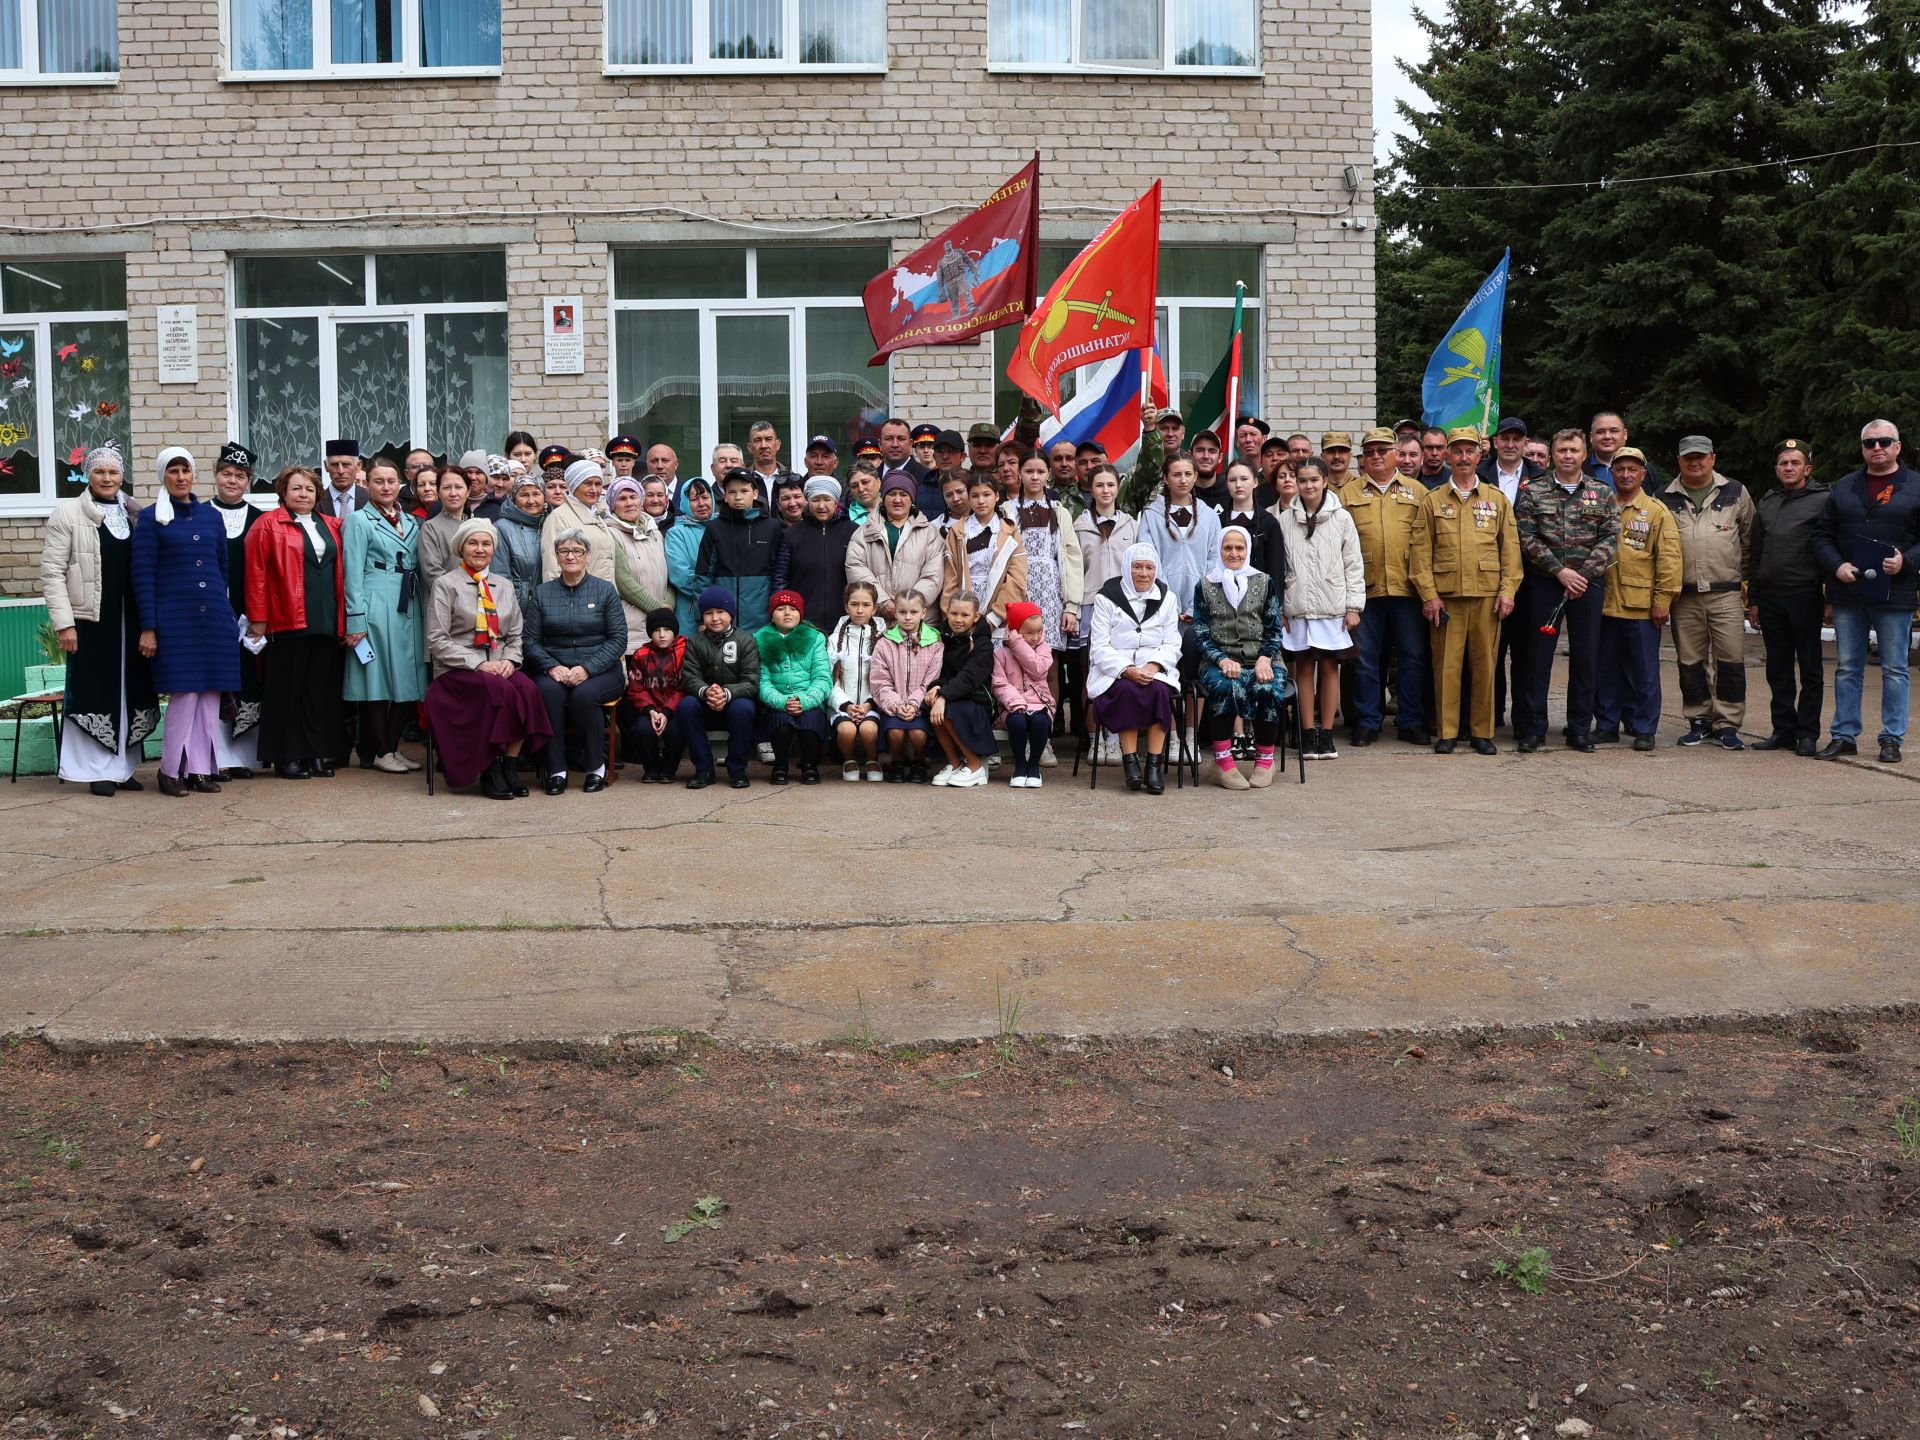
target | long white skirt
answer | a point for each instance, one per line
(84, 759)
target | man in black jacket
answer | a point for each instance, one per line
(1785, 601)
(812, 555)
(1606, 434)
(1868, 544)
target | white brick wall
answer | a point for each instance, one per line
(553, 144)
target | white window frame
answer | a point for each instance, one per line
(1165, 69)
(793, 307)
(39, 324)
(703, 46)
(408, 66)
(329, 318)
(30, 73)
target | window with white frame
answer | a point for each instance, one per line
(1192, 323)
(277, 38)
(709, 340)
(1134, 35)
(63, 375)
(772, 35)
(59, 40)
(392, 349)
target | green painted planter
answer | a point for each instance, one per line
(36, 746)
(43, 679)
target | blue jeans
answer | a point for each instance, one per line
(1629, 676)
(1892, 626)
(1390, 621)
(737, 720)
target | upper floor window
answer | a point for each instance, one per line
(772, 35)
(1134, 35)
(277, 38)
(63, 375)
(58, 39)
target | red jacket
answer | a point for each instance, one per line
(653, 676)
(277, 572)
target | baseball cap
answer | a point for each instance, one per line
(823, 442)
(1512, 424)
(1695, 445)
(949, 440)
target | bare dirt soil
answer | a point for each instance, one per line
(1669, 1234)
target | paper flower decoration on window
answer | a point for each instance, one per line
(78, 412)
(105, 409)
(12, 434)
(77, 454)
(67, 352)
(88, 364)
(9, 369)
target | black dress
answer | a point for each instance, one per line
(110, 697)
(301, 713)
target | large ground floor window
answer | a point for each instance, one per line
(393, 350)
(1192, 323)
(709, 340)
(63, 377)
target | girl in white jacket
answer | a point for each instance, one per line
(856, 719)
(1326, 591)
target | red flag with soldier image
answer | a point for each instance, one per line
(975, 276)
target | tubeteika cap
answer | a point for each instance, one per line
(343, 447)
(240, 457)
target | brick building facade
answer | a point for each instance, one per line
(371, 248)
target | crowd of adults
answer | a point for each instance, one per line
(899, 612)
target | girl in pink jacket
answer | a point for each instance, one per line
(1020, 688)
(906, 660)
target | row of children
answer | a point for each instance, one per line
(867, 688)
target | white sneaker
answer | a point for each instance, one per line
(875, 775)
(411, 764)
(945, 777)
(850, 771)
(969, 779)
(1016, 782)
(391, 763)
(1033, 782)
(1046, 755)
(991, 761)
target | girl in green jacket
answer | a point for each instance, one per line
(795, 683)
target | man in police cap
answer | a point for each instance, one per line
(624, 452)
(1786, 601)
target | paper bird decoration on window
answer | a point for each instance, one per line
(10, 348)
(67, 352)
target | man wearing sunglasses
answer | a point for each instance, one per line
(1868, 544)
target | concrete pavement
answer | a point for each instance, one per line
(1396, 889)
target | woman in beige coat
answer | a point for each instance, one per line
(639, 558)
(896, 560)
(579, 510)
(86, 568)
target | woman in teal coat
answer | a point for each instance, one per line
(384, 605)
(795, 684)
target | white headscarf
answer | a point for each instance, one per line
(1141, 551)
(1234, 582)
(162, 508)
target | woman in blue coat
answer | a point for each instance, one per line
(380, 542)
(187, 627)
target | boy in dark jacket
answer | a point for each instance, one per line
(959, 702)
(737, 551)
(655, 688)
(812, 558)
(721, 678)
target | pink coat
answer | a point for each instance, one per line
(901, 673)
(1020, 675)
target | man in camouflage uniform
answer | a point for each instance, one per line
(1569, 524)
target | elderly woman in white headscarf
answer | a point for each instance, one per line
(482, 707)
(1237, 628)
(86, 578)
(187, 627)
(1133, 664)
(580, 510)
(639, 556)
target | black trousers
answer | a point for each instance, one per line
(1580, 622)
(300, 706)
(1790, 624)
(579, 704)
(658, 753)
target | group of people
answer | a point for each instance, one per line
(511, 610)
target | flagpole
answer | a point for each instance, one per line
(1232, 418)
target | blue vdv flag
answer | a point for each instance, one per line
(1462, 383)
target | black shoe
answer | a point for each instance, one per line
(1889, 752)
(1363, 736)
(896, 774)
(172, 785)
(556, 785)
(1153, 780)
(1698, 733)
(321, 769)
(594, 784)
(1775, 741)
(1580, 743)
(1443, 747)
(292, 770)
(493, 783)
(103, 788)
(1487, 747)
(737, 782)
(236, 772)
(917, 775)
(1526, 745)
(778, 775)
(649, 777)
(1729, 739)
(204, 784)
(1606, 737)
(129, 785)
(1134, 770)
(809, 774)
(1835, 749)
(1643, 742)
(1806, 747)
(700, 779)
(1416, 735)
(1325, 749)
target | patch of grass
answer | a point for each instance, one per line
(906, 1054)
(1906, 1126)
(1008, 1004)
(859, 1036)
(1530, 1269)
(54, 1147)
(248, 880)
(704, 1215)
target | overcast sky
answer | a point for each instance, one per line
(1394, 36)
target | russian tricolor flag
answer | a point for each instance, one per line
(1106, 405)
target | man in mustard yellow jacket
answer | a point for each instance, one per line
(1385, 511)
(1640, 589)
(1465, 566)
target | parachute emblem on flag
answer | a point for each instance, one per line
(1471, 346)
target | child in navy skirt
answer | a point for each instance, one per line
(960, 701)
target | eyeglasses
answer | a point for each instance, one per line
(1878, 442)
